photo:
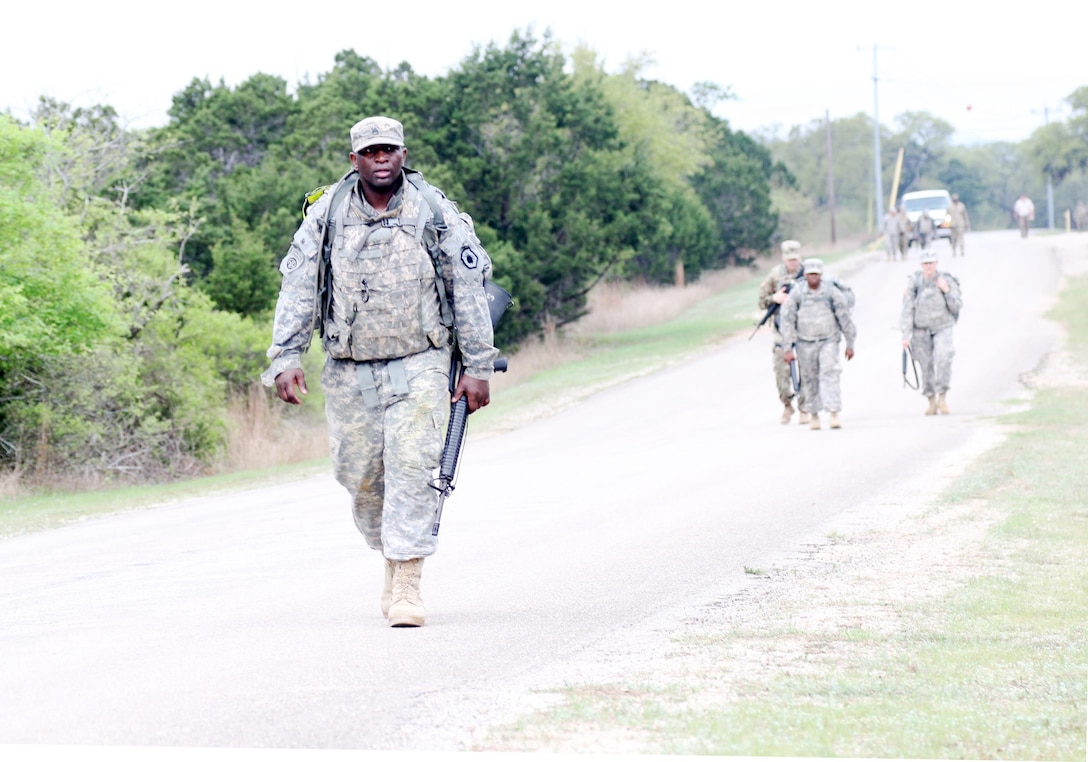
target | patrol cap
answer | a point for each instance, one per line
(929, 256)
(376, 131)
(813, 265)
(791, 249)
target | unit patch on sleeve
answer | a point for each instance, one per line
(469, 258)
(291, 262)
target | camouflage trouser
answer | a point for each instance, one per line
(782, 377)
(934, 352)
(386, 454)
(1025, 225)
(891, 245)
(904, 244)
(956, 240)
(818, 363)
(782, 374)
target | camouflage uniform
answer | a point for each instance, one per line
(388, 350)
(775, 280)
(889, 226)
(904, 232)
(813, 321)
(960, 224)
(926, 321)
(925, 229)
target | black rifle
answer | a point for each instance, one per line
(795, 376)
(498, 300)
(766, 316)
(775, 305)
(907, 383)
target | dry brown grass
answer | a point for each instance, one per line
(264, 432)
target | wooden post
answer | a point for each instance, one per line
(678, 274)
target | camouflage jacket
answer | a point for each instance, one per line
(385, 301)
(958, 213)
(924, 306)
(778, 277)
(817, 315)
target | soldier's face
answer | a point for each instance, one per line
(813, 280)
(379, 166)
(792, 265)
(929, 269)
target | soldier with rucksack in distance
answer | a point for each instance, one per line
(931, 307)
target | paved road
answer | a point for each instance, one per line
(252, 620)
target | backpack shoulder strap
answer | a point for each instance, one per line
(430, 197)
(323, 302)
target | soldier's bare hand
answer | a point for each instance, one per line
(779, 297)
(287, 382)
(942, 284)
(475, 390)
(849, 353)
(906, 343)
(789, 356)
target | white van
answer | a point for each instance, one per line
(935, 203)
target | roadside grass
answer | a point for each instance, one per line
(993, 666)
(51, 509)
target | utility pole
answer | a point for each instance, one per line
(830, 174)
(876, 147)
(1049, 182)
(1049, 179)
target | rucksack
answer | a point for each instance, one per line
(917, 276)
(845, 290)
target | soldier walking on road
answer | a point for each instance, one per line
(1023, 211)
(925, 229)
(959, 225)
(814, 318)
(774, 289)
(387, 334)
(904, 232)
(931, 306)
(889, 226)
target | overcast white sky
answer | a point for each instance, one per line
(992, 72)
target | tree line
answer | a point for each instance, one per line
(988, 177)
(138, 268)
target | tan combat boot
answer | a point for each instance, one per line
(803, 418)
(406, 607)
(814, 422)
(941, 404)
(835, 421)
(387, 588)
(787, 413)
(932, 409)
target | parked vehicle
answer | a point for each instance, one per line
(935, 203)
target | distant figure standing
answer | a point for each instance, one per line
(1024, 212)
(889, 226)
(925, 229)
(1080, 216)
(959, 224)
(904, 232)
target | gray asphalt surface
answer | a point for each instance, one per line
(252, 620)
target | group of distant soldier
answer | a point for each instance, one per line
(813, 316)
(898, 230)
